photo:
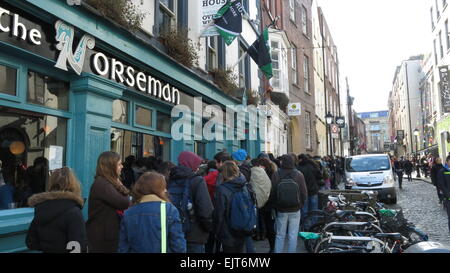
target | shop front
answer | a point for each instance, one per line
(72, 89)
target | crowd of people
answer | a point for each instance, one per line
(198, 206)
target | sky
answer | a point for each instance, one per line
(373, 37)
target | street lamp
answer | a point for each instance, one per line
(416, 133)
(329, 119)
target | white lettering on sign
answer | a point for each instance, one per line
(117, 71)
(19, 29)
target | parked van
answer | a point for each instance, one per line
(371, 172)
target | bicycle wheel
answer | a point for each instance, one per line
(314, 217)
(310, 245)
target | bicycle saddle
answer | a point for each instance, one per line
(393, 236)
(344, 213)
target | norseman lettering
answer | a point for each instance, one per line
(139, 80)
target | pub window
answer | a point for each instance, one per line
(32, 145)
(47, 91)
(200, 149)
(140, 145)
(164, 123)
(120, 111)
(144, 116)
(8, 79)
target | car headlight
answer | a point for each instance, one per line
(350, 182)
(388, 180)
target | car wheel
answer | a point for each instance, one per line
(393, 200)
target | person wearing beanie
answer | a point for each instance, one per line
(197, 212)
(240, 156)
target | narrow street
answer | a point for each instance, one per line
(421, 206)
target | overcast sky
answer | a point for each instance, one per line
(373, 37)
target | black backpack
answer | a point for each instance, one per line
(288, 192)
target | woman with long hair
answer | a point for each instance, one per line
(107, 200)
(57, 216)
(153, 224)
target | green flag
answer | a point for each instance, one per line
(259, 51)
(228, 21)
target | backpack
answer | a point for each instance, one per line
(288, 193)
(180, 195)
(261, 185)
(242, 211)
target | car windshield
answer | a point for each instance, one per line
(367, 164)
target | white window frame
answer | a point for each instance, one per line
(294, 64)
(304, 20)
(306, 74)
(308, 140)
(292, 10)
(212, 53)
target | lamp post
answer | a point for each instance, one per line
(329, 119)
(416, 134)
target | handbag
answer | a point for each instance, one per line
(163, 228)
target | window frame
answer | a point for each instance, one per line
(129, 109)
(294, 65)
(292, 16)
(308, 136)
(153, 117)
(16, 96)
(306, 75)
(166, 10)
(305, 21)
(212, 50)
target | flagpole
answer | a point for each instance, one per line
(240, 59)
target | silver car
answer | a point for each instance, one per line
(371, 172)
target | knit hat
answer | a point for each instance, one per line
(240, 155)
(263, 155)
(190, 160)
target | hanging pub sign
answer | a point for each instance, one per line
(445, 88)
(340, 121)
(58, 43)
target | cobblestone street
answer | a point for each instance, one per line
(421, 206)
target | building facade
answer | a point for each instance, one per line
(377, 130)
(404, 106)
(74, 84)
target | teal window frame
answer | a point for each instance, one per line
(18, 68)
(153, 120)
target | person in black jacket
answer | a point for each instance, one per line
(202, 206)
(288, 218)
(408, 168)
(399, 169)
(443, 182)
(231, 242)
(437, 166)
(313, 176)
(58, 225)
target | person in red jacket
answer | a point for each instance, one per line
(211, 178)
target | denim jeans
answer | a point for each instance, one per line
(195, 248)
(249, 247)
(287, 223)
(311, 203)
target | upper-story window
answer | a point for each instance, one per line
(438, 13)
(306, 74)
(294, 64)
(243, 68)
(441, 47)
(276, 64)
(212, 52)
(167, 15)
(292, 10)
(304, 21)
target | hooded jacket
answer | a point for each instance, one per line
(57, 221)
(312, 176)
(261, 185)
(434, 172)
(203, 207)
(288, 170)
(222, 208)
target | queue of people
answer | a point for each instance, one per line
(197, 206)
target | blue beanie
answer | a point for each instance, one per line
(240, 155)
